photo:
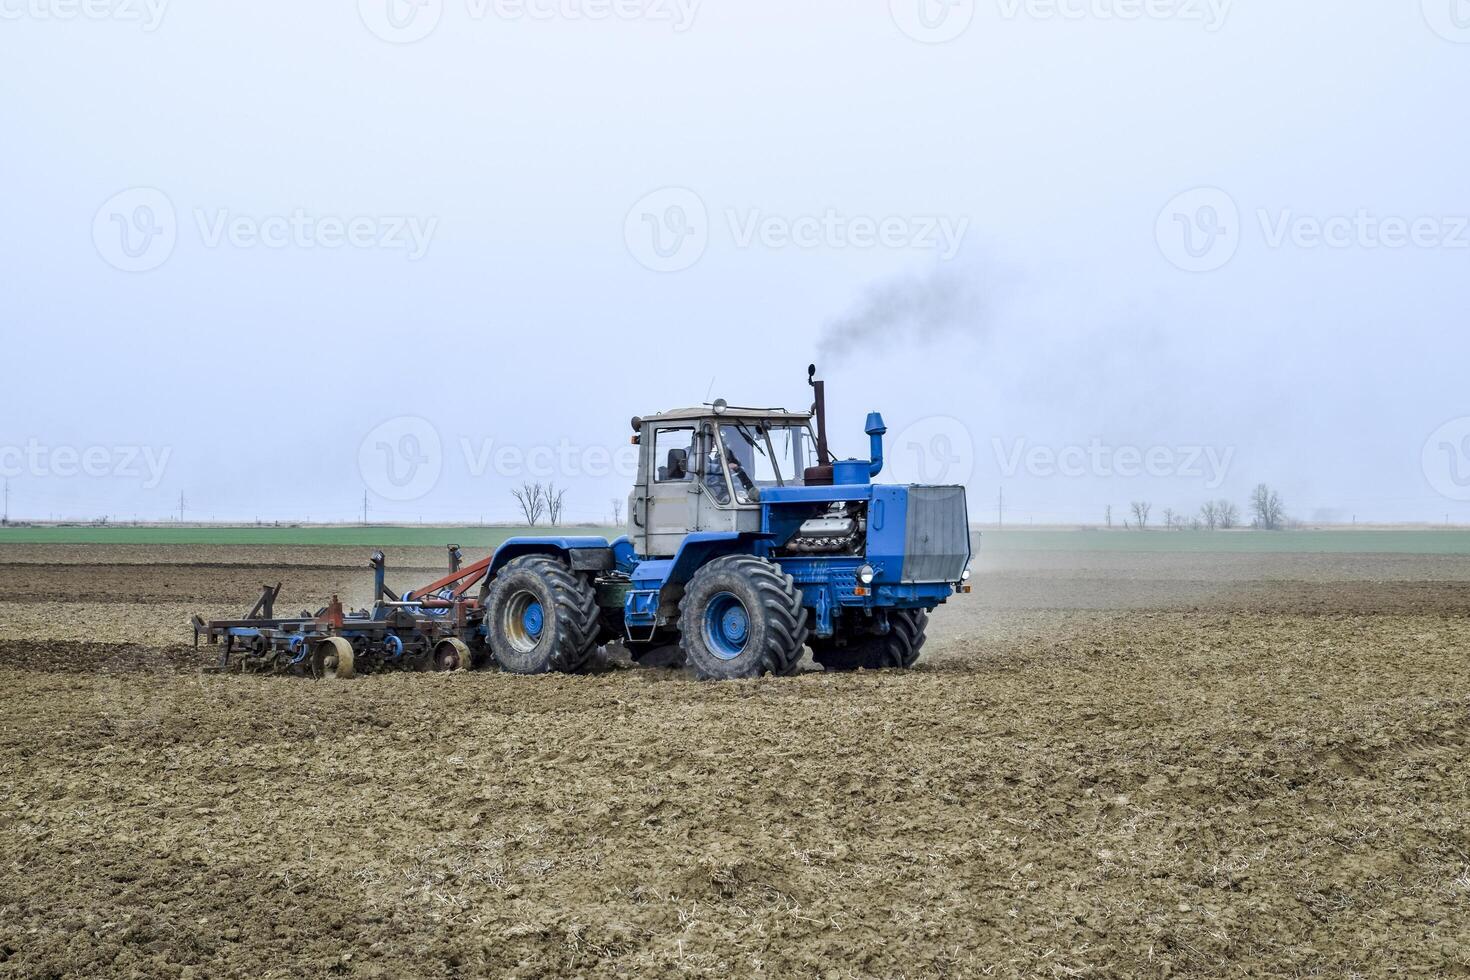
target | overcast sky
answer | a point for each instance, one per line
(275, 255)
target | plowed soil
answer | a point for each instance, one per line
(1106, 765)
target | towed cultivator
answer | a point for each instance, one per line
(433, 628)
(747, 544)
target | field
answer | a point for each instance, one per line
(1124, 755)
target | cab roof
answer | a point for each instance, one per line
(697, 413)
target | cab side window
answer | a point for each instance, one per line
(671, 454)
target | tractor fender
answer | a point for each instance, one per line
(703, 547)
(587, 554)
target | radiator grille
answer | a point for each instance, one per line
(937, 544)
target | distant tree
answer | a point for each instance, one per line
(1109, 515)
(1195, 524)
(532, 500)
(1141, 510)
(617, 508)
(1268, 512)
(1227, 515)
(1210, 514)
(555, 504)
(1168, 518)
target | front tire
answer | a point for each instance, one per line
(541, 617)
(898, 649)
(741, 617)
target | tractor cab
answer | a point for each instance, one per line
(705, 468)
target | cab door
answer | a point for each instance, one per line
(664, 506)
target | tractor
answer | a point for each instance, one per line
(747, 543)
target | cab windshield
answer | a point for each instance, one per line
(762, 454)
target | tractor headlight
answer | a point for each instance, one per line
(965, 575)
(866, 575)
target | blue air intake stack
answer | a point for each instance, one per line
(876, 430)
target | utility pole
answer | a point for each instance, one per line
(364, 508)
(7, 501)
(181, 506)
(1000, 509)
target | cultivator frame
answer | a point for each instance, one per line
(438, 627)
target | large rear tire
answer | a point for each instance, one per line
(898, 649)
(741, 617)
(541, 617)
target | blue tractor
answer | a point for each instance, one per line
(747, 543)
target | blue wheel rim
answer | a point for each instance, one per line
(524, 619)
(533, 619)
(726, 626)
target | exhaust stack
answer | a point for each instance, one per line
(819, 409)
